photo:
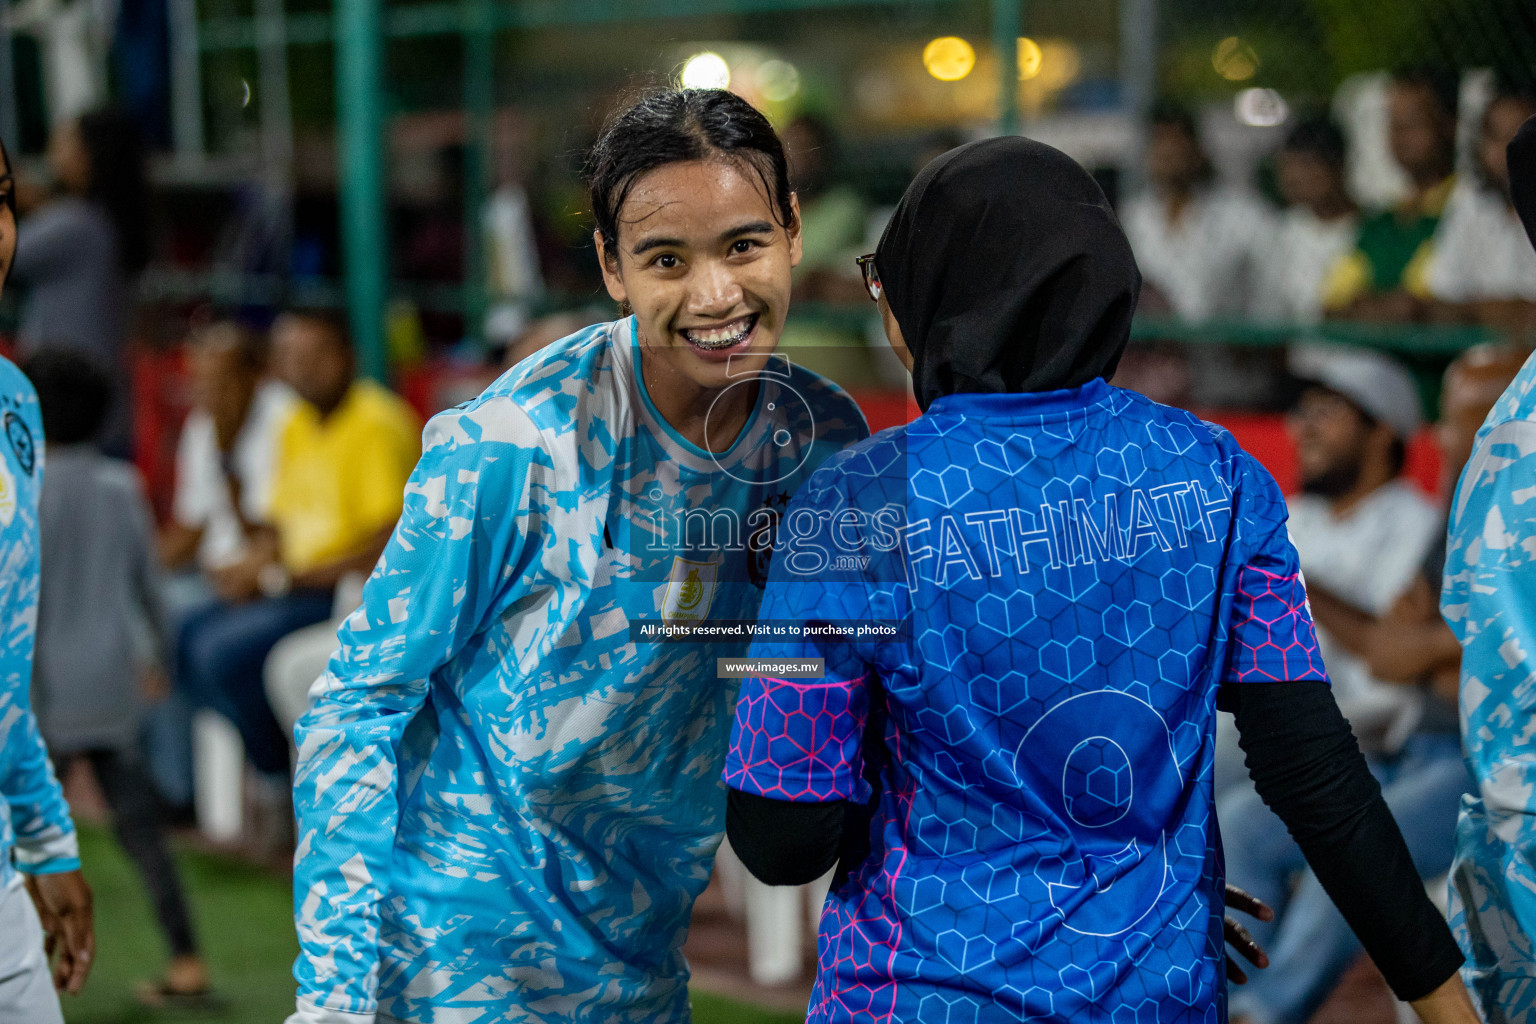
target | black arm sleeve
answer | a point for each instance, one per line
(784, 843)
(1308, 768)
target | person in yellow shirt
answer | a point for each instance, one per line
(340, 469)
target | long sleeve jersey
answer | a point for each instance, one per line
(36, 833)
(507, 802)
(1488, 600)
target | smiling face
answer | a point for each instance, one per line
(704, 263)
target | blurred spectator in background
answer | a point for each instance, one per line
(224, 473)
(511, 246)
(1483, 269)
(1198, 244)
(80, 250)
(99, 600)
(1362, 528)
(299, 658)
(343, 457)
(224, 460)
(1383, 278)
(1310, 945)
(1318, 226)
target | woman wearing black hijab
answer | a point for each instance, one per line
(1059, 582)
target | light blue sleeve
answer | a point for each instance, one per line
(451, 562)
(39, 821)
(1489, 601)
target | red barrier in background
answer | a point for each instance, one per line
(160, 402)
(160, 396)
(1262, 435)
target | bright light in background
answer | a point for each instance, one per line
(1234, 60)
(1060, 63)
(1030, 57)
(778, 80)
(949, 58)
(706, 71)
(1261, 108)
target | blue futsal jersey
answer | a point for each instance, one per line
(507, 805)
(1076, 575)
(35, 829)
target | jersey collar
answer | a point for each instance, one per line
(1015, 405)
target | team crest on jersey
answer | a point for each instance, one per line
(20, 437)
(8, 497)
(690, 590)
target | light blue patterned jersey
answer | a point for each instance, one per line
(507, 807)
(1489, 600)
(35, 829)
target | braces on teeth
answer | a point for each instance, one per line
(711, 341)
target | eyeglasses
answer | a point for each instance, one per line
(871, 275)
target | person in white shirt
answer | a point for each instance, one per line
(1363, 534)
(1483, 269)
(1317, 227)
(225, 457)
(1197, 244)
(1361, 529)
(224, 469)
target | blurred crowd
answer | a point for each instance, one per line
(290, 469)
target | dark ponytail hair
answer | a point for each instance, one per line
(675, 126)
(115, 151)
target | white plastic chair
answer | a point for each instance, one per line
(218, 776)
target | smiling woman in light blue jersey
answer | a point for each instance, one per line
(506, 804)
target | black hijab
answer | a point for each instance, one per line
(1522, 175)
(1008, 272)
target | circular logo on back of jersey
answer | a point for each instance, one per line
(1096, 782)
(1078, 758)
(20, 438)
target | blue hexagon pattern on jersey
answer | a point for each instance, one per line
(1096, 782)
(1079, 572)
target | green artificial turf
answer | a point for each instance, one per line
(245, 923)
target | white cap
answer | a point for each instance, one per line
(1378, 384)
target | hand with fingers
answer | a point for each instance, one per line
(63, 903)
(1238, 937)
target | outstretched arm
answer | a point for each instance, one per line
(1308, 768)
